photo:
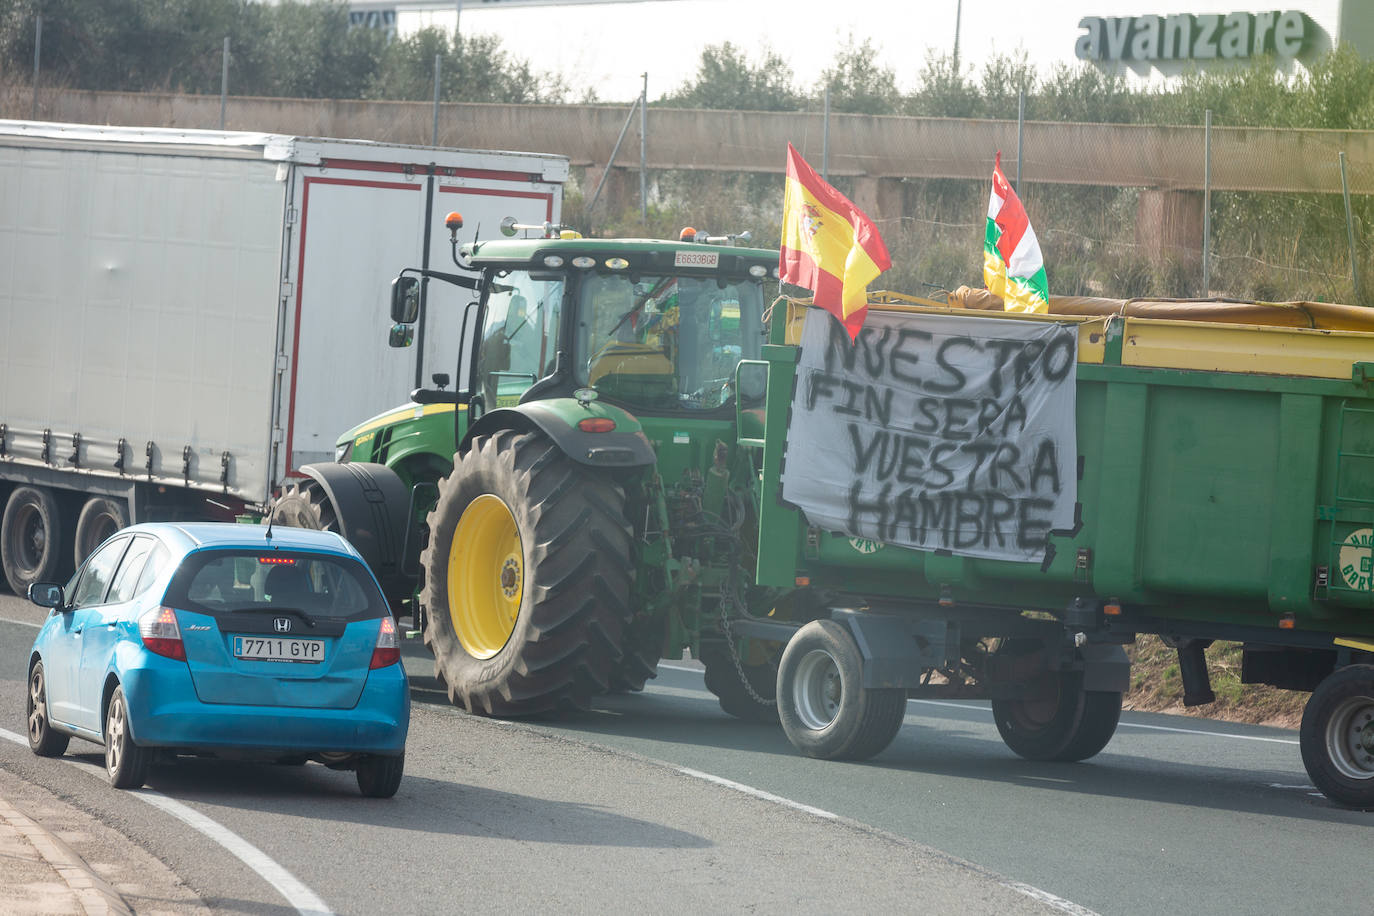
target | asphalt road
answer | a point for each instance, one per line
(616, 809)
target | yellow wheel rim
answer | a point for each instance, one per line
(486, 576)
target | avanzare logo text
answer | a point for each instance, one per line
(1194, 37)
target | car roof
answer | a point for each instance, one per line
(190, 536)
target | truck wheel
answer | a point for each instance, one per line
(1337, 737)
(100, 517)
(30, 535)
(1062, 721)
(822, 703)
(723, 680)
(527, 578)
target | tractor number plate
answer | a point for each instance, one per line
(707, 259)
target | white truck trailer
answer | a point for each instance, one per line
(188, 316)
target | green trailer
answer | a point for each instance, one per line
(642, 455)
(1225, 490)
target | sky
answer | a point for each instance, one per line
(607, 46)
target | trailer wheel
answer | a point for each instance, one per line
(723, 680)
(1061, 721)
(1337, 737)
(822, 703)
(30, 538)
(527, 578)
(100, 517)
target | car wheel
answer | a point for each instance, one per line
(43, 740)
(125, 761)
(380, 777)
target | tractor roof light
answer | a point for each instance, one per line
(617, 263)
(454, 222)
(758, 270)
(582, 262)
(553, 260)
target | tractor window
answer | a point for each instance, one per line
(666, 342)
(519, 336)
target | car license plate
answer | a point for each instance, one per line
(278, 649)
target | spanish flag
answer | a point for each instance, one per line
(829, 245)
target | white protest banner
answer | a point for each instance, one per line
(936, 432)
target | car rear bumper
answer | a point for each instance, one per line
(164, 712)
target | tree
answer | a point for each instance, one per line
(1085, 93)
(858, 84)
(726, 79)
(1004, 79)
(943, 91)
(472, 69)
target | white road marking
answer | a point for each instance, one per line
(297, 894)
(22, 623)
(1035, 893)
(757, 793)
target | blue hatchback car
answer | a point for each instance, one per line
(241, 641)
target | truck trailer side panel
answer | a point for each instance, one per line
(142, 306)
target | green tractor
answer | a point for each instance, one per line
(586, 501)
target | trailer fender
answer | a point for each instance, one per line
(623, 446)
(1106, 669)
(895, 649)
(371, 502)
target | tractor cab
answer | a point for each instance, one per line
(657, 327)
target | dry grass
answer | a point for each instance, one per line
(1157, 687)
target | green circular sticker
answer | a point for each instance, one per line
(864, 545)
(1357, 559)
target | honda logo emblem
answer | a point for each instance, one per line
(282, 624)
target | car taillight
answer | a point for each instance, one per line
(388, 650)
(160, 633)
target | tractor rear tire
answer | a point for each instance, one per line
(527, 578)
(641, 650)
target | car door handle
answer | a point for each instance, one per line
(76, 631)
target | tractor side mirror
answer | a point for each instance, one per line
(405, 300)
(401, 335)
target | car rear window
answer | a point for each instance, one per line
(228, 581)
